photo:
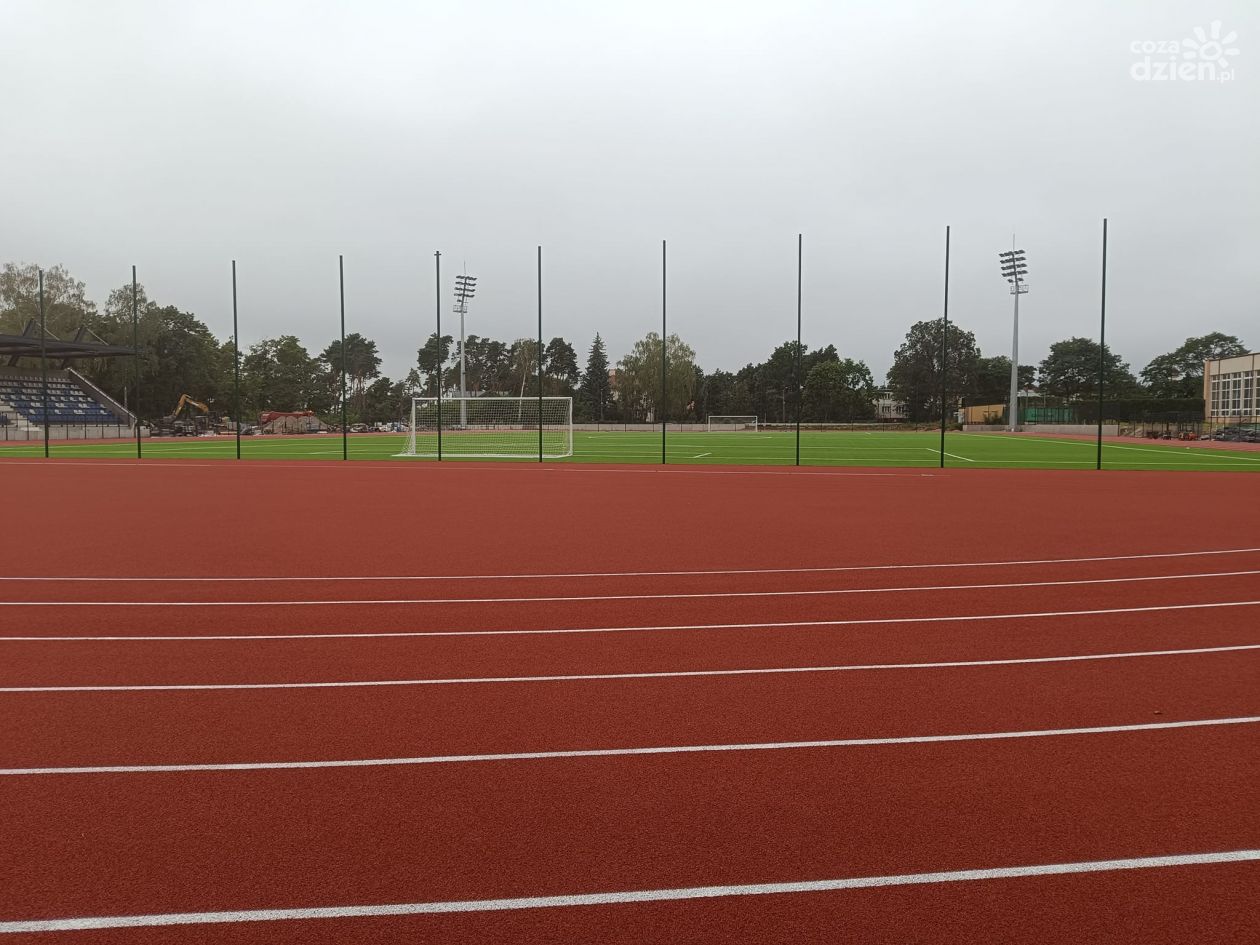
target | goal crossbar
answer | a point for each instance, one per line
(491, 427)
(723, 423)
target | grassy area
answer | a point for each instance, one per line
(880, 449)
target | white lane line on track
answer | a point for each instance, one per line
(621, 752)
(635, 574)
(666, 674)
(959, 618)
(623, 897)
(830, 592)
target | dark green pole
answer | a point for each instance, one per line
(345, 434)
(437, 354)
(236, 367)
(1102, 346)
(43, 357)
(135, 358)
(944, 347)
(663, 343)
(540, 359)
(799, 264)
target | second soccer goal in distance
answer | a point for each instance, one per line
(732, 424)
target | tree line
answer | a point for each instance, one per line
(179, 354)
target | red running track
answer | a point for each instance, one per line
(104, 845)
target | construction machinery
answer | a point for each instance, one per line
(189, 418)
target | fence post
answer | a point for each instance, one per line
(799, 388)
(437, 294)
(944, 348)
(1102, 346)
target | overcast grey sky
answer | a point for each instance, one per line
(180, 135)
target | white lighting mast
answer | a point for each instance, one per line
(1014, 268)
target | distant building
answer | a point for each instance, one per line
(887, 407)
(1231, 388)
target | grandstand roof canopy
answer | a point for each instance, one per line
(24, 346)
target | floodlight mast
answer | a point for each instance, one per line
(1015, 269)
(465, 289)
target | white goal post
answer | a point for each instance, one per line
(491, 427)
(732, 424)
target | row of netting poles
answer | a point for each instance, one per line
(1104, 365)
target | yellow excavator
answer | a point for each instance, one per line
(189, 418)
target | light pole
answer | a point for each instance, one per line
(1014, 268)
(465, 289)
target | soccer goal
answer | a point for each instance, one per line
(722, 424)
(491, 427)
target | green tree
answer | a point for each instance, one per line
(431, 360)
(769, 389)
(1071, 371)
(382, 402)
(560, 367)
(66, 305)
(279, 374)
(1179, 373)
(915, 376)
(993, 380)
(839, 391)
(178, 355)
(485, 365)
(595, 391)
(363, 364)
(639, 379)
(721, 394)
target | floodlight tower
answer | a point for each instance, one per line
(1014, 268)
(465, 289)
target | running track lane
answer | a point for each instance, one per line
(257, 660)
(1187, 906)
(124, 844)
(537, 615)
(723, 517)
(109, 728)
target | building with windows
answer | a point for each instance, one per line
(1231, 389)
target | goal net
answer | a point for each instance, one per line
(491, 427)
(721, 424)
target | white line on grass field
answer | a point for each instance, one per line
(1197, 452)
(1230, 456)
(960, 618)
(701, 455)
(624, 897)
(626, 752)
(831, 592)
(636, 574)
(951, 455)
(677, 674)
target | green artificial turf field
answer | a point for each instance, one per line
(818, 448)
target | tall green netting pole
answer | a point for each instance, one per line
(1102, 347)
(800, 243)
(437, 354)
(540, 359)
(345, 433)
(236, 358)
(43, 358)
(664, 336)
(135, 359)
(944, 348)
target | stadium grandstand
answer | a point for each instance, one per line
(76, 408)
